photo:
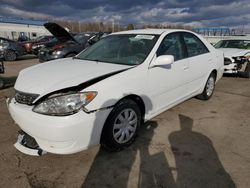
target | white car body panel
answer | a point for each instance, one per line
(46, 78)
(160, 88)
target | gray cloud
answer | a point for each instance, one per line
(203, 13)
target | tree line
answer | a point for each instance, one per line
(77, 27)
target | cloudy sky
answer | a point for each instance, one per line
(213, 13)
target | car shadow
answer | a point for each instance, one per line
(113, 169)
(231, 75)
(197, 162)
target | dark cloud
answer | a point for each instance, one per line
(206, 13)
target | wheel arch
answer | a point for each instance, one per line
(214, 71)
(139, 101)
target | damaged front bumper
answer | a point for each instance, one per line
(235, 65)
(58, 135)
(28, 145)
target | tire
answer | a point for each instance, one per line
(70, 55)
(246, 73)
(10, 55)
(1, 83)
(209, 88)
(121, 126)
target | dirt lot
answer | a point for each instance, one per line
(196, 144)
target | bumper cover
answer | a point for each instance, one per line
(60, 135)
(21, 146)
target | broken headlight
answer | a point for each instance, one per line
(241, 59)
(62, 105)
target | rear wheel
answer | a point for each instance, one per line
(121, 126)
(209, 88)
(10, 55)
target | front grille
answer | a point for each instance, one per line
(25, 98)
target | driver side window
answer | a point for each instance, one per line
(172, 45)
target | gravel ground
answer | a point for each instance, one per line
(196, 144)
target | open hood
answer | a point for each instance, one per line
(59, 32)
(62, 73)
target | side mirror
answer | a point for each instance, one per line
(163, 60)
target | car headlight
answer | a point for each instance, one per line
(62, 105)
(241, 59)
(56, 52)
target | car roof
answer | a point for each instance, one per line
(149, 31)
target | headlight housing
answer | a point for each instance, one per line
(65, 104)
(56, 52)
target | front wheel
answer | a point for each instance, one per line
(121, 126)
(246, 73)
(1, 83)
(10, 55)
(209, 88)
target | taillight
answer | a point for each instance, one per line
(27, 45)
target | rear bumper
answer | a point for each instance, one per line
(60, 135)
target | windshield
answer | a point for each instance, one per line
(241, 44)
(129, 49)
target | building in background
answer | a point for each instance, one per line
(11, 28)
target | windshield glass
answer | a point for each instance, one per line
(241, 44)
(127, 49)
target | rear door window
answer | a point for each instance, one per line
(194, 45)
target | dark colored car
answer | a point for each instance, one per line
(38, 41)
(11, 49)
(36, 47)
(1, 70)
(67, 45)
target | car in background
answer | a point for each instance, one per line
(36, 47)
(38, 41)
(11, 49)
(1, 70)
(107, 91)
(67, 45)
(236, 56)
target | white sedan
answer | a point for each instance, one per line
(106, 92)
(236, 56)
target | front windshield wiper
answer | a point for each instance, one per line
(76, 57)
(96, 60)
